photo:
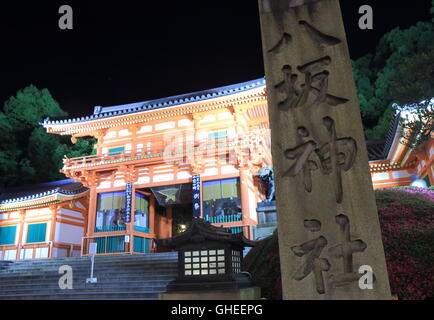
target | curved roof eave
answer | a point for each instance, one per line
(122, 110)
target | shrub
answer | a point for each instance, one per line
(407, 225)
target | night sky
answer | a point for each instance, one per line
(128, 51)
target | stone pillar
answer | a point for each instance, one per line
(327, 217)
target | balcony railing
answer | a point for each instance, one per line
(118, 244)
(110, 228)
(223, 219)
(26, 251)
(160, 152)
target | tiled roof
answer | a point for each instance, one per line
(63, 187)
(200, 231)
(112, 111)
(379, 149)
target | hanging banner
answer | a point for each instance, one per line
(128, 201)
(196, 195)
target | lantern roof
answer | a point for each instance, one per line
(201, 231)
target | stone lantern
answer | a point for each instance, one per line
(209, 259)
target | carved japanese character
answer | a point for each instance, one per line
(337, 155)
(345, 252)
(313, 262)
(283, 41)
(300, 96)
(301, 156)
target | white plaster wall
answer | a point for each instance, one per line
(104, 185)
(400, 174)
(124, 133)
(68, 233)
(71, 213)
(163, 177)
(183, 175)
(119, 183)
(184, 122)
(165, 125)
(228, 169)
(142, 180)
(208, 118)
(110, 135)
(145, 129)
(224, 115)
(378, 176)
(210, 172)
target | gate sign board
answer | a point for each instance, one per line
(196, 195)
(93, 248)
(128, 200)
(329, 232)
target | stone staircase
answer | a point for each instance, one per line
(125, 277)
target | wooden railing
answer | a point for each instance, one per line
(161, 151)
(26, 251)
(137, 240)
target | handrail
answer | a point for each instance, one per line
(162, 150)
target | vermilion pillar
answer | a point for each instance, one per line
(245, 206)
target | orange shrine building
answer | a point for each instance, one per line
(158, 164)
(43, 221)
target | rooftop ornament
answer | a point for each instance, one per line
(209, 258)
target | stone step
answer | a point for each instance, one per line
(125, 268)
(113, 295)
(126, 257)
(72, 261)
(119, 277)
(87, 265)
(100, 277)
(87, 290)
(83, 285)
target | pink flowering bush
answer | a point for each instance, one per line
(407, 225)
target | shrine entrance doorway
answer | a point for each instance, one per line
(177, 203)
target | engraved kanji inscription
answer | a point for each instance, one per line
(314, 90)
(345, 251)
(301, 155)
(336, 156)
(286, 38)
(313, 262)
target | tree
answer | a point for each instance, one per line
(28, 154)
(414, 98)
(376, 74)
